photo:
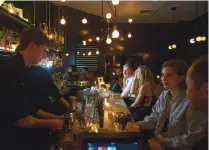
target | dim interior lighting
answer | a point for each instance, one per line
(130, 20)
(67, 54)
(84, 42)
(169, 47)
(129, 35)
(84, 54)
(113, 73)
(1, 2)
(198, 39)
(108, 40)
(89, 40)
(51, 36)
(78, 53)
(89, 53)
(192, 40)
(115, 33)
(158, 77)
(115, 2)
(63, 1)
(203, 38)
(97, 52)
(108, 15)
(49, 64)
(174, 46)
(84, 20)
(11, 10)
(97, 38)
(63, 21)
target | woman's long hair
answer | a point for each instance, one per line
(146, 77)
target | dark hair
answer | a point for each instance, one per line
(199, 71)
(32, 35)
(86, 68)
(180, 66)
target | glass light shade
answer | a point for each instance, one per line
(130, 20)
(198, 39)
(97, 38)
(174, 46)
(203, 38)
(63, 21)
(115, 33)
(192, 40)
(84, 21)
(115, 2)
(109, 40)
(169, 47)
(129, 35)
(108, 15)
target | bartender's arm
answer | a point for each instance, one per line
(32, 122)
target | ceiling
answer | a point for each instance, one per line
(143, 11)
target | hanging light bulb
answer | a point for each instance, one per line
(84, 42)
(198, 39)
(97, 52)
(169, 47)
(57, 57)
(63, 21)
(67, 54)
(78, 53)
(130, 20)
(129, 35)
(108, 15)
(108, 40)
(84, 54)
(84, 21)
(90, 40)
(89, 53)
(115, 33)
(174, 46)
(97, 38)
(203, 38)
(192, 40)
(115, 2)
(63, 1)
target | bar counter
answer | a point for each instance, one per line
(81, 136)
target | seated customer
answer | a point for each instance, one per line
(128, 74)
(86, 76)
(197, 92)
(142, 105)
(117, 84)
(177, 126)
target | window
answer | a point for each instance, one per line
(90, 61)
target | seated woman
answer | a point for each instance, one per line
(144, 83)
(176, 125)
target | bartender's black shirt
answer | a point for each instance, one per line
(41, 89)
(14, 102)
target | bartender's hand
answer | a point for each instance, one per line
(130, 126)
(155, 145)
(56, 124)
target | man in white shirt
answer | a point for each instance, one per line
(128, 74)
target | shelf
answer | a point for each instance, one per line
(11, 18)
